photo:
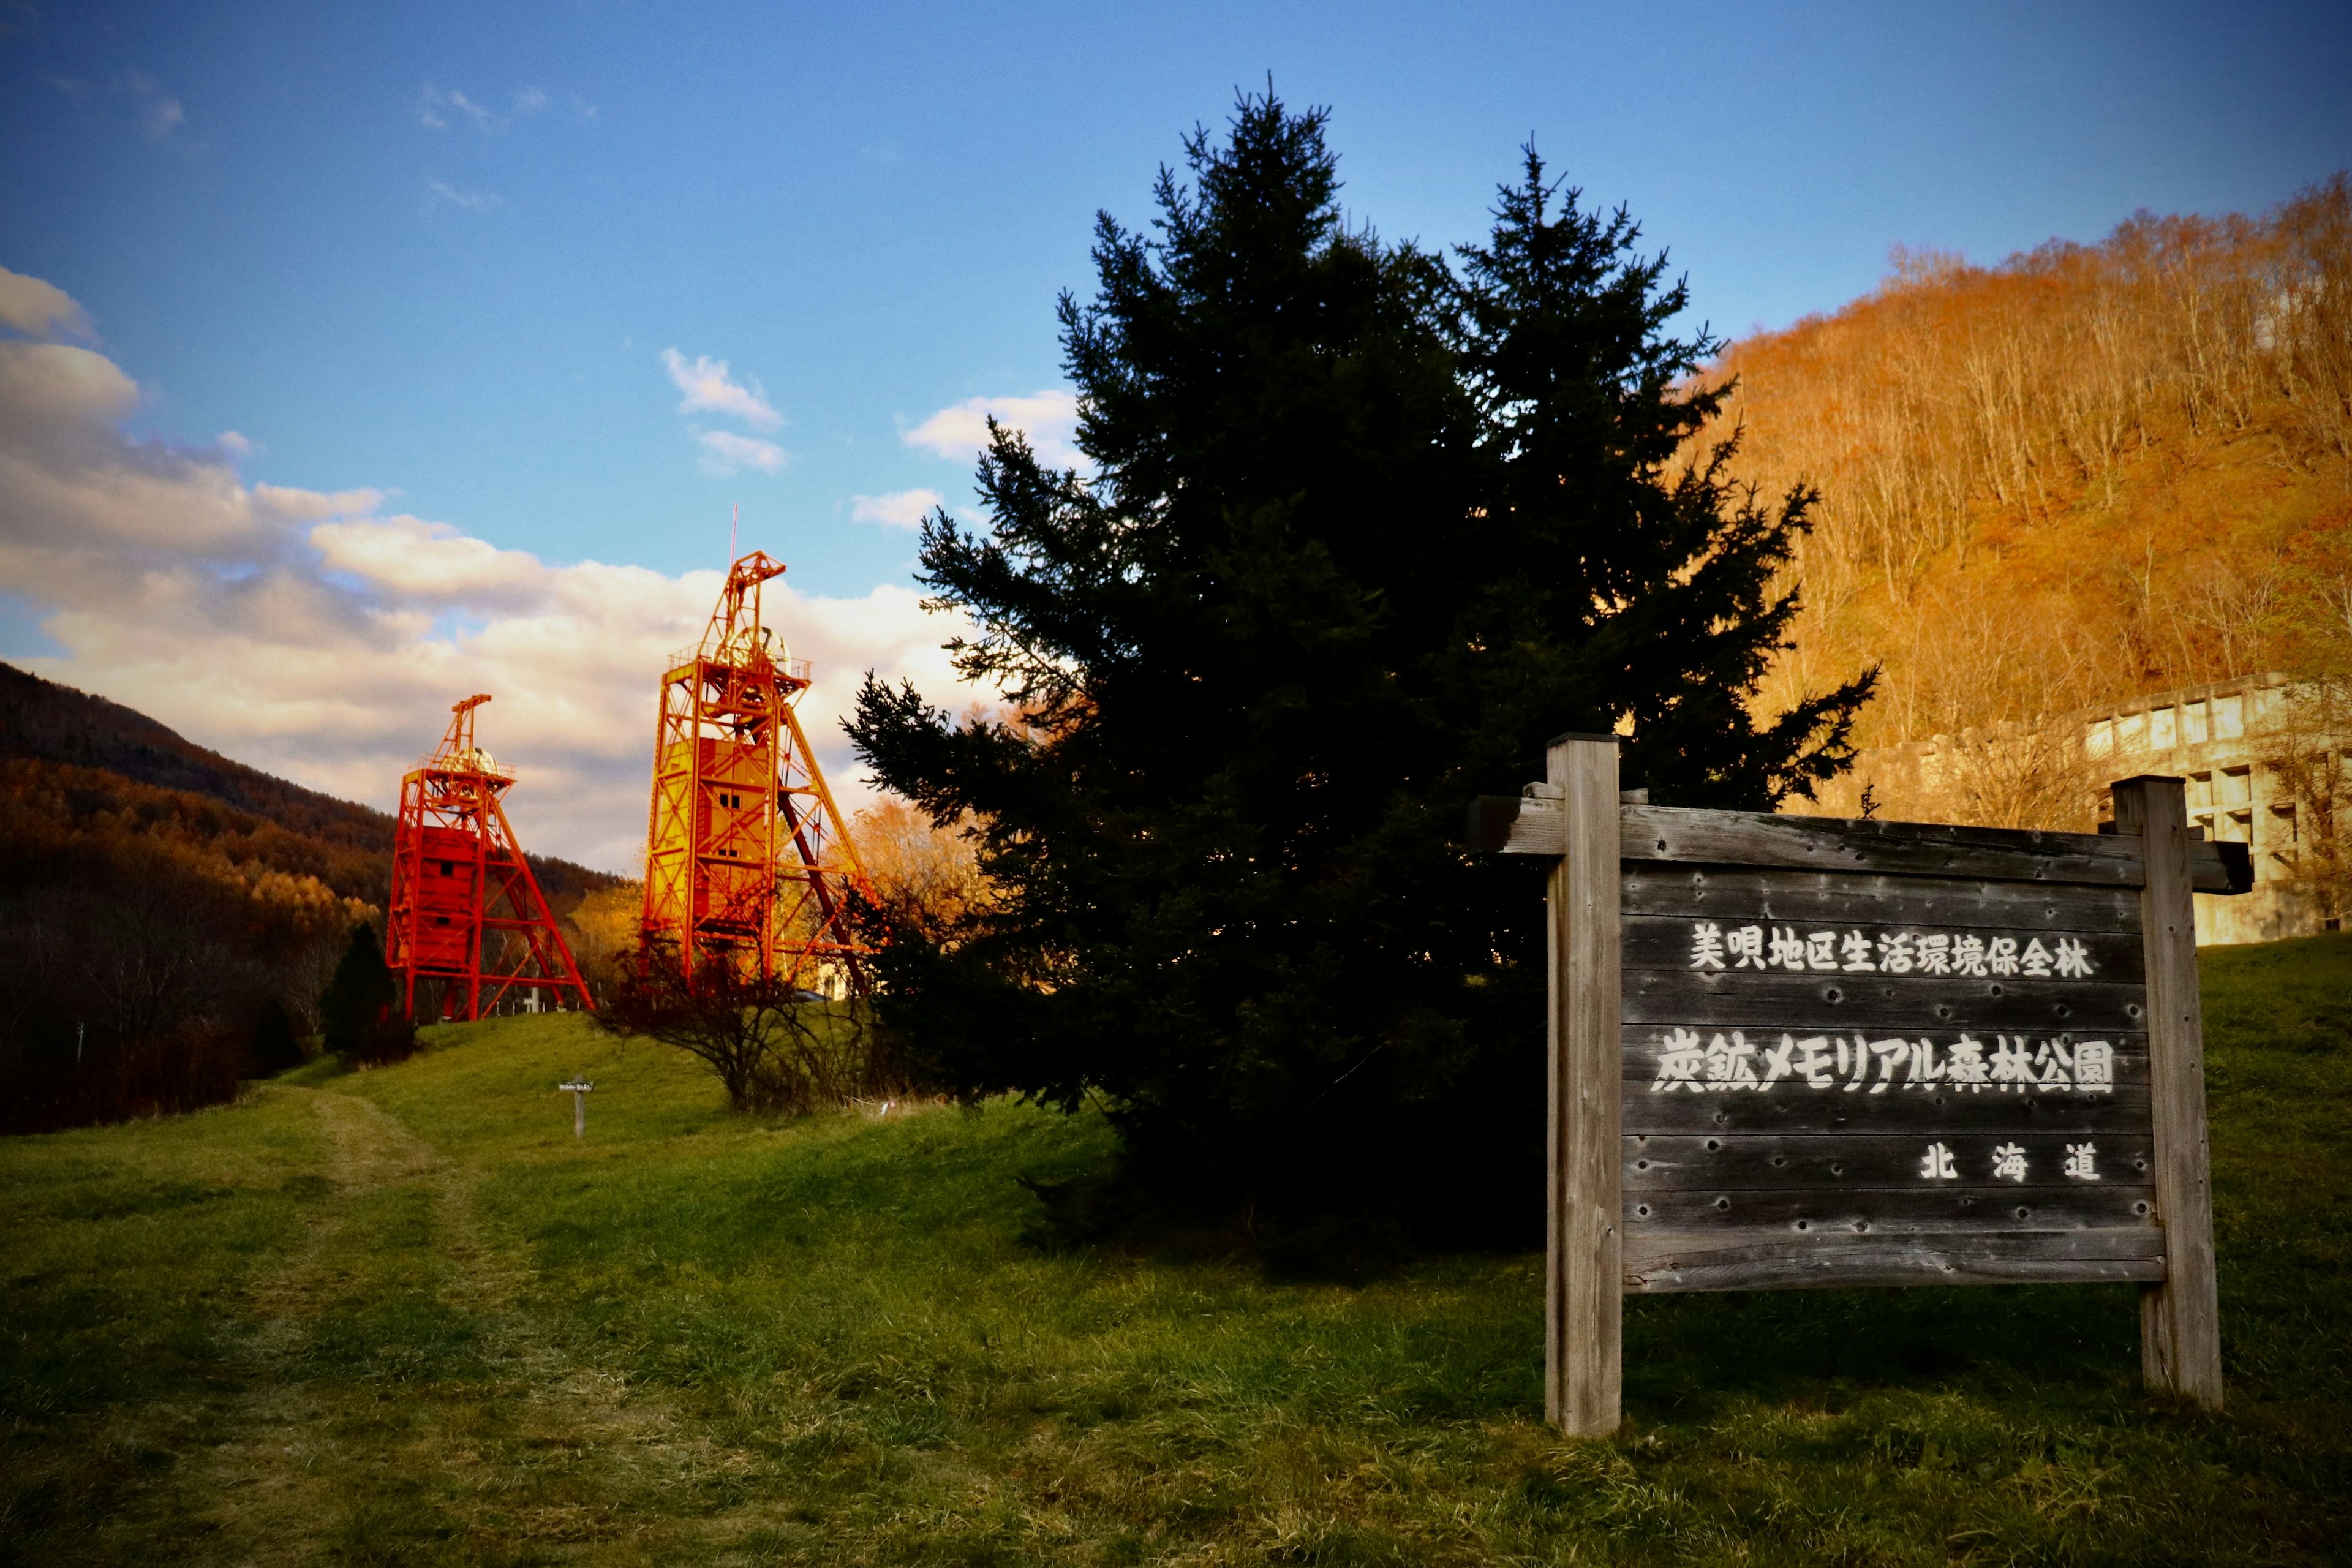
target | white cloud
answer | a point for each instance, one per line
(472, 201)
(1049, 418)
(310, 634)
(709, 386)
(425, 562)
(899, 509)
(435, 109)
(40, 309)
(160, 114)
(723, 452)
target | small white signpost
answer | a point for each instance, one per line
(578, 1088)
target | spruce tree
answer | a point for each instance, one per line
(1361, 534)
(359, 1012)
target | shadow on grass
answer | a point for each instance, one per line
(1688, 1356)
(1094, 1209)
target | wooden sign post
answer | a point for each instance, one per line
(1809, 1051)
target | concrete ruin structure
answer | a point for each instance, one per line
(2224, 738)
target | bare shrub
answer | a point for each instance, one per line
(777, 1049)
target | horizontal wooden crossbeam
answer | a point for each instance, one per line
(1530, 824)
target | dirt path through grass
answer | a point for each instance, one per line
(450, 1420)
(273, 1478)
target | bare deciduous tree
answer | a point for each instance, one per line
(2086, 474)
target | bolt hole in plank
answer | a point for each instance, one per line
(2002, 1085)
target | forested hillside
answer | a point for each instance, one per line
(162, 908)
(344, 845)
(2087, 472)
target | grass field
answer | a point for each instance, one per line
(399, 1316)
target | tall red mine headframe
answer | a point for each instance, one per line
(466, 911)
(747, 859)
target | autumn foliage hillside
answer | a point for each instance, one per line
(2088, 472)
(271, 822)
(162, 907)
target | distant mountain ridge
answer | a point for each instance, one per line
(42, 721)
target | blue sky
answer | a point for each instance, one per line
(866, 211)
(508, 305)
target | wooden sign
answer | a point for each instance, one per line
(1806, 1052)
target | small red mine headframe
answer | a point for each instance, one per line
(467, 920)
(748, 861)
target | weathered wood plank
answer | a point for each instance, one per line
(2180, 1320)
(1870, 1096)
(1722, 892)
(1901, 1210)
(1526, 824)
(2135, 1240)
(1687, 1059)
(1907, 1003)
(1896, 849)
(1762, 1162)
(1753, 944)
(2125, 1111)
(1583, 1335)
(1734, 1260)
(1531, 824)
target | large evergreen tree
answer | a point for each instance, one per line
(1361, 533)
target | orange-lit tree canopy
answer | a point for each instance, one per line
(746, 854)
(466, 913)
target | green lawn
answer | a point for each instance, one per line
(399, 1316)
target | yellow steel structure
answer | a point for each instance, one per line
(748, 861)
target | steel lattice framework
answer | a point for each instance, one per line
(747, 860)
(465, 910)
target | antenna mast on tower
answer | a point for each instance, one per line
(747, 860)
(465, 910)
